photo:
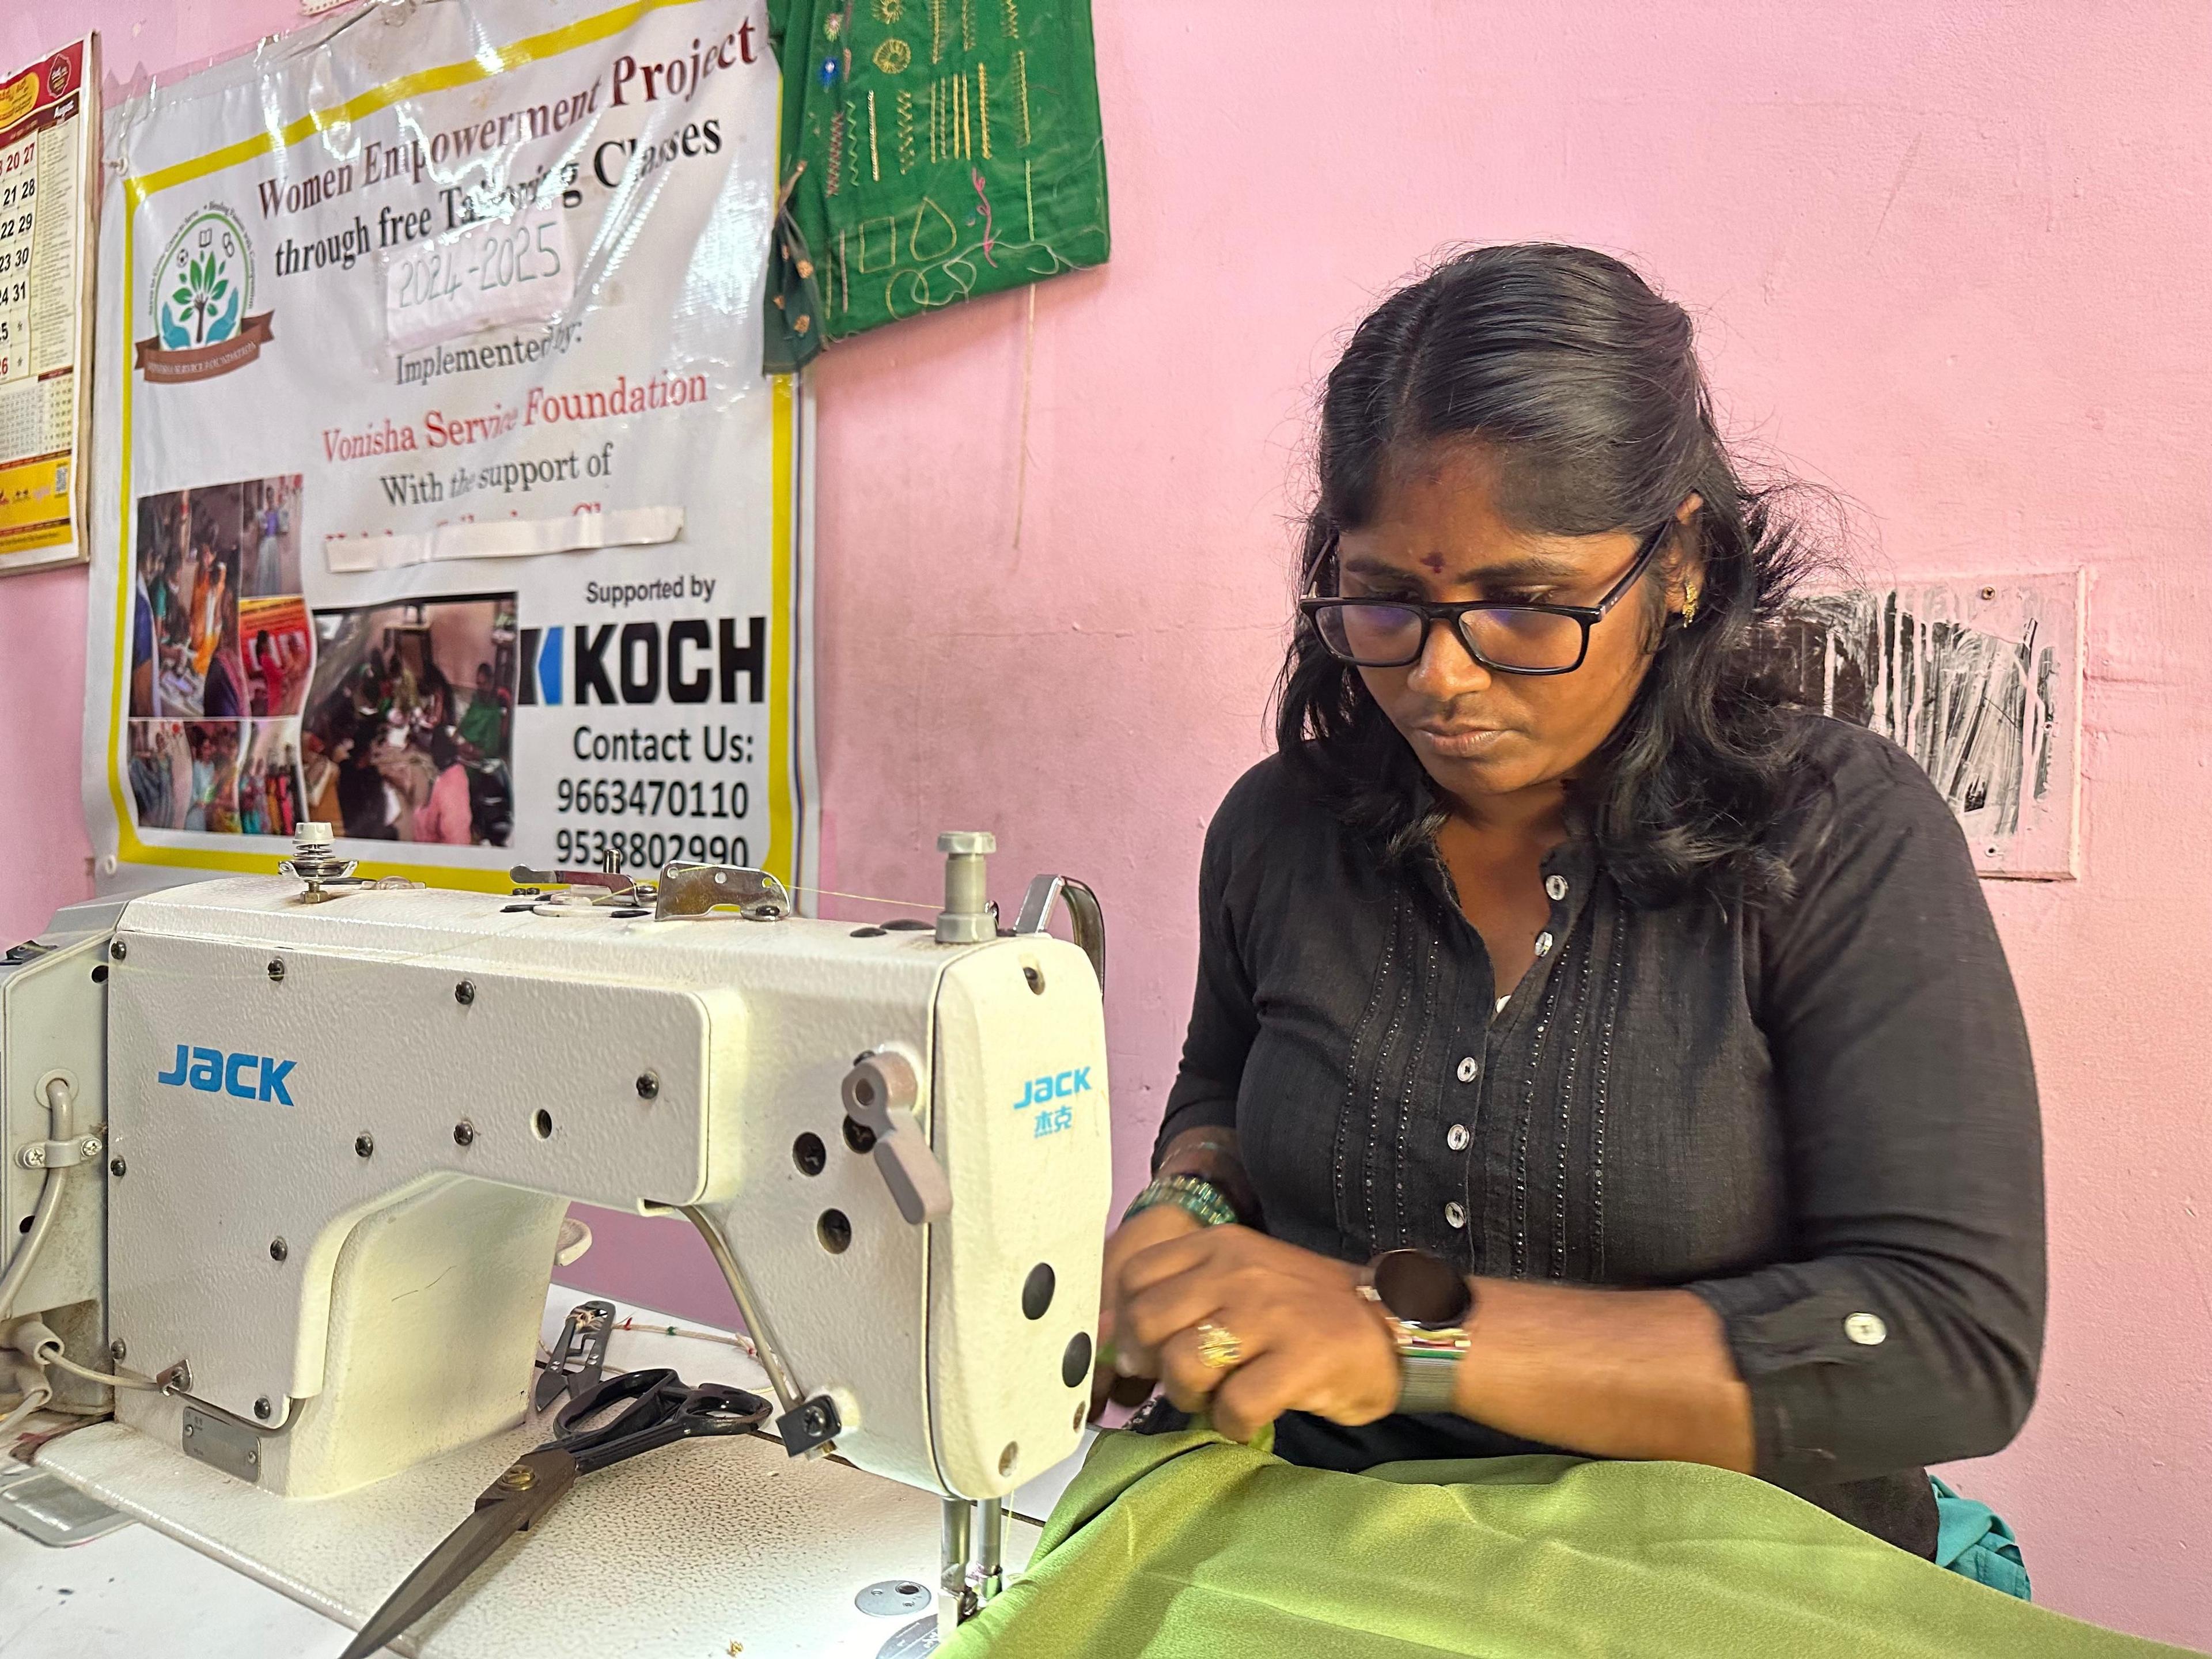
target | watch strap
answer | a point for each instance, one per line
(1426, 1379)
(1428, 1361)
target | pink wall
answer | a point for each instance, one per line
(1949, 260)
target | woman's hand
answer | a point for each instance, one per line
(1308, 1340)
(1124, 1245)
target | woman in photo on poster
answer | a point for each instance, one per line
(482, 730)
(142, 649)
(434, 790)
(214, 808)
(278, 791)
(219, 691)
(268, 564)
(161, 774)
(264, 790)
(320, 776)
(176, 688)
(273, 670)
(210, 591)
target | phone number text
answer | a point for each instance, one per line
(648, 850)
(654, 798)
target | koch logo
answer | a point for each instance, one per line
(245, 1077)
(689, 661)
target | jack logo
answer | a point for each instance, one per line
(1039, 1090)
(1039, 1093)
(244, 1077)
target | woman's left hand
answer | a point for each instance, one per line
(1306, 1339)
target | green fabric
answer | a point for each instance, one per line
(1972, 1539)
(933, 149)
(792, 335)
(479, 724)
(1184, 1546)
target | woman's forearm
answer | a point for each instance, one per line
(1632, 1374)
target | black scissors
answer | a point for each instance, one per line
(662, 1408)
(578, 1356)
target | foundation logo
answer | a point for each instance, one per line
(202, 301)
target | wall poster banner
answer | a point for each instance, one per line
(442, 496)
(49, 138)
(1979, 679)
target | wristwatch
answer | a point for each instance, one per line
(1427, 1303)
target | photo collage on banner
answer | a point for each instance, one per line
(407, 721)
(220, 654)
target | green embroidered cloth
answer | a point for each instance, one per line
(950, 147)
(1185, 1546)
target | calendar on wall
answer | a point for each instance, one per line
(49, 135)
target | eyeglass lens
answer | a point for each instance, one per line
(1388, 636)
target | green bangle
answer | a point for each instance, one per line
(1199, 1196)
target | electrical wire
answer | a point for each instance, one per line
(743, 1344)
(32, 1401)
(10, 1397)
(58, 1104)
(70, 1409)
(42, 1222)
(113, 1381)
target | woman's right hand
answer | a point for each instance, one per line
(1155, 1226)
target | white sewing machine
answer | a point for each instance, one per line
(337, 1127)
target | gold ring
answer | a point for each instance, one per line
(1219, 1349)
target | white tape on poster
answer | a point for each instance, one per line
(505, 538)
(468, 298)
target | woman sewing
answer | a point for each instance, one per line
(1588, 1054)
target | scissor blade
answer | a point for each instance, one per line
(467, 1547)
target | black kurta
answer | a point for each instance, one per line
(1819, 1116)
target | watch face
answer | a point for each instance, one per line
(1421, 1289)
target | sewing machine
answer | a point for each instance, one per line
(338, 1125)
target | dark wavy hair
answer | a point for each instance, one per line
(1586, 384)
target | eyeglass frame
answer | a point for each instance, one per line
(1432, 613)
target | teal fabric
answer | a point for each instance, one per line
(1973, 1540)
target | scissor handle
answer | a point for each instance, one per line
(662, 1409)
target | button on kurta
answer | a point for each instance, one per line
(1455, 1216)
(1866, 1329)
(1556, 886)
(1543, 945)
(1469, 1066)
(1456, 1137)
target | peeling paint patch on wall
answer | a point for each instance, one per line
(1976, 678)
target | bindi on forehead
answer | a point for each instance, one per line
(1433, 563)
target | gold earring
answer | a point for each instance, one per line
(1689, 606)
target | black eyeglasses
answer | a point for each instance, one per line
(1508, 639)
